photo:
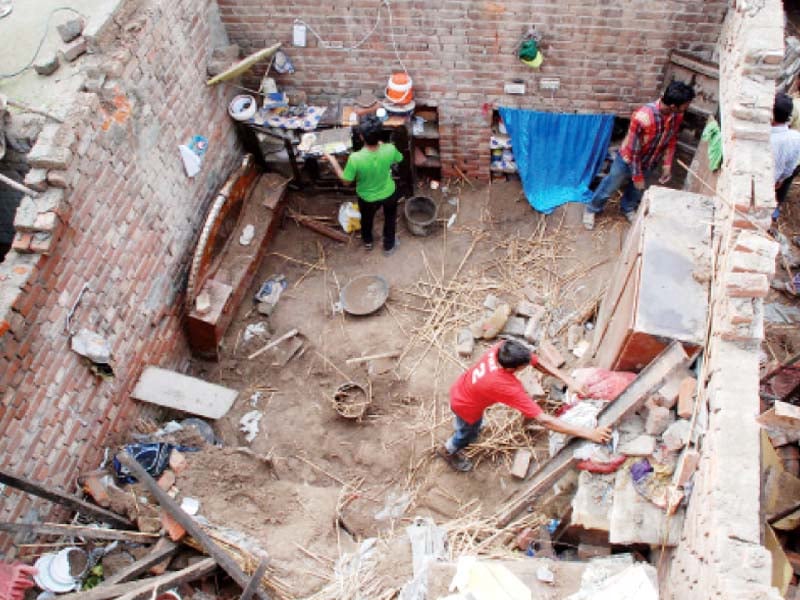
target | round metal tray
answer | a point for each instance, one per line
(364, 295)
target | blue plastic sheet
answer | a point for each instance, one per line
(557, 154)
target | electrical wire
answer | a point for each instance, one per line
(41, 42)
(358, 44)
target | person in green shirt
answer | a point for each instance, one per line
(371, 170)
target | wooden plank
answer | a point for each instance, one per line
(68, 500)
(222, 558)
(255, 580)
(318, 227)
(164, 549)
(145, 586)
(181, 392)
(634, 396)
(74, 530)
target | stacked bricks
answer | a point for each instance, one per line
(720, 554)
(123, 217)
(609, 56)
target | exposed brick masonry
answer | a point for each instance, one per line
(125, 225)
(609, 56)
(720, 554)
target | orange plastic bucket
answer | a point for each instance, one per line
(400, 89)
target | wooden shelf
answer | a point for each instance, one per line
(430, 131)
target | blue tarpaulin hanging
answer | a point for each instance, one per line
(557, 154)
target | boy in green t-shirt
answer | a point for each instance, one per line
(371, 169)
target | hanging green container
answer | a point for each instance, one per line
(530, 54)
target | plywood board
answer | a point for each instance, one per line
(181, 392)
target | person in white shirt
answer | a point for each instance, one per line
(785, 147)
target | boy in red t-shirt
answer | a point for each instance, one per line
(492, 380)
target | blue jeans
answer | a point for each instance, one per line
(464, 434)
(619, 175)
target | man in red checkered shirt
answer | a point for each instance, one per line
(653, 134)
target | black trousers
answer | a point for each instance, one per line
(368, 210)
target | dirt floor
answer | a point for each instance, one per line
(336, 481)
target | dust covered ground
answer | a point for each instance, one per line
(334, 482)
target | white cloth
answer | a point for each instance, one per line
(785, 149)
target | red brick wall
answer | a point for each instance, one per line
(127, 226)
(609, 56)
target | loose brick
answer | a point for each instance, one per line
(74, 49)
(550, 353)
(686, 395)
(172, 528)
(167, 480)
(686, 466)
(57, 179)
(177, 462)
(522, 460)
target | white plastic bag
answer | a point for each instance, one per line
(350, 217)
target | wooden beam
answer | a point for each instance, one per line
(143, 588)
(191, 526)
(255, 580)
(165, 549)
(320, 228)
(68, 500)
(74, 530)
(633, 397)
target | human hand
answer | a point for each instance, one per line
(639, 185)
(581, 390)
(329, 157)
(666, 175)
(600, 435)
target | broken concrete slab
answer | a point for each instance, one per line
(636, 520)
(182, 392)
(641, 445)
(630, 400)
(657, 419)
(676, 435)
(591, 504)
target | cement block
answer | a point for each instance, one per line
(181, 392)
(531, 382)
(26, 214)
(36, 179)
(491, 302)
